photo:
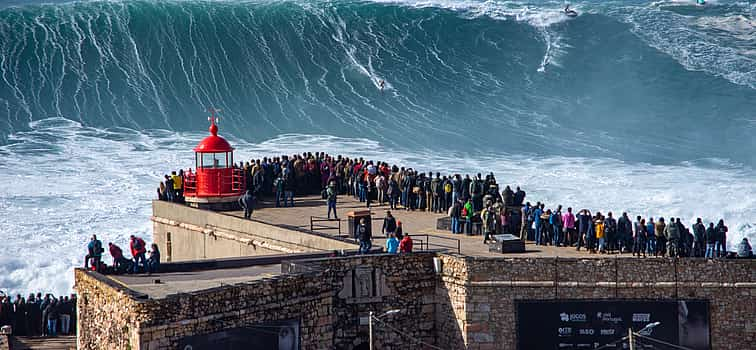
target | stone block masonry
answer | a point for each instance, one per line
(469, 305)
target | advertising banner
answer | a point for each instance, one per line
(277, 335)
(590, 324)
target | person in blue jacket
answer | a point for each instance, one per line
(392, 244)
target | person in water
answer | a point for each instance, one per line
(381, 84)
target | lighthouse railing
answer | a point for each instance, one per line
(237, 180)
(190, 184)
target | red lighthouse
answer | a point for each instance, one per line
(217, 183)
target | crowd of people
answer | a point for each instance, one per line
(476, 205)
(38, 316)
(141, 259)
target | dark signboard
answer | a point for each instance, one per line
(590, 324)
(278, 335)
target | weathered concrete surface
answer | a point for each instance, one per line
(201, 234)
(191, 281)
(40, 343)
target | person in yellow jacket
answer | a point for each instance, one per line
(178, 188)
(600, 234)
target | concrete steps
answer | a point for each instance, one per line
(40, 343)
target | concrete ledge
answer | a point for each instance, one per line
(231, 263)
(104, 279)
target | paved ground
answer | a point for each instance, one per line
(185, 282)
(40, 343)
(414, 222)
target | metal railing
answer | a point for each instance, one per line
(445, 242)
(315, 220)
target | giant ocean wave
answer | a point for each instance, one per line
(633, 105)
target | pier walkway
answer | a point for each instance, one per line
(421, 225)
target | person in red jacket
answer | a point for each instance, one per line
(138, 250)
(405, 246)
(120, 263)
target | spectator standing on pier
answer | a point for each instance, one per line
(556, 226)
(537, 221)
(389, 224)
(721, 247)
(66, 309)
(455, 213)
(138, 251)
(519, 197)
(392, 244)
(711, 240)
(651, 237)
(640, 237)
(20, 327)
(288, 189)
(52, 312)
(467, 213)
(436, 193)
(169, 195)
(95, 250)
(393, 192)
(584, 224)
(247, 202)
(177, 186)
(448, 191)
(279, 185)
(672, 233)
(331, 195)
(364, 236)
(399, 230)
(568, 221)
(699, 235)
(661, 239)
(625, 233)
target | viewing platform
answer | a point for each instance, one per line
(309, 213)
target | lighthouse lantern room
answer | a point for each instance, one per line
(216, 183)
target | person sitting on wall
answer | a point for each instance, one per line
(405, 246)
(120, 263)
(744, 249)
(392, 244)
(153, 262)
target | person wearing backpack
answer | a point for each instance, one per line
(468, 212)
(247, 202)
(476, 192)
(447, 198)
(138, 251)
(455, 213)
(436, 192)
(331, 199)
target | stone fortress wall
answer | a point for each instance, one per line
(470, 304)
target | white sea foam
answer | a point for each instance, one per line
(67, 182)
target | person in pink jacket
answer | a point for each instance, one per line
(568, 219)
